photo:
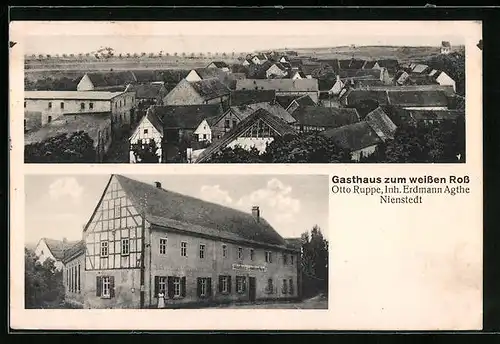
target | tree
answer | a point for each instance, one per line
(314, 262)
(452, 64)
(105, 52)
(146, 153)
(42, 282)
(237, 155)
(77, 147)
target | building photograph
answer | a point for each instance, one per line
(176, 241)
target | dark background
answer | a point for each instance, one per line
(491, 91)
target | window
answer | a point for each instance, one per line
(269, 287)
(204, 286)
(160, 285)
(106, 286)
(225, 284)
(25, 104)
(145, 131)
(234, 123)
(224, 251)
(184, 249)
(24, 125)
(285, 259)
(49, 119)
(50, 105)
(290, 286)
(202, 251)
(291, 259)
(177, 286)
(269, 257)
(125, 247)
(82, 106)
(104, 248)
(240, 284)
(284, 287)
(91, 106)
(204, 136)
(62, 105)
(163, 246)
(79, 280)
(240, 253)
(226, 123)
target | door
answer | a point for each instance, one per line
(251, 288)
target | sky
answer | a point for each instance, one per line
(58, 206)
(189, 37)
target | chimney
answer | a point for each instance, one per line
(256, 212)
(338, 77)
(158, 185)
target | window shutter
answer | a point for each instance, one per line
(283, 287)
(209, 287)
(229, 284)
(157, 286)
(183, 286)
(290, 285)
(220, 284)
(198, 286)
(111, 286)
(98, 284)
(244, 284)
(170, 286)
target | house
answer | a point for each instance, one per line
(282, 86)
(198, 74)
(419, 68)
(204, 130)
(245, 97)
(230, 119)
(105, 80)
(442, 78)
(352, 97)
(150, 128)
(223, 66)
(300, 101)
(247, 62)
(331, 87)
(32, 120)
(427, 99)
(426, 117)
(445, 47)
(73, 275)
(192, 251)
(259, 58)
(318, 118)
(207, 91)
(53, 104)
(52, 249)
(381, 124)
(353, 74)
(391, 65)
(294, 75)
(310, 69)
(284, 59)
(150, 94)
(401, 77)
(357, 138)
(255, 131)
(276, 69)
(96, 125)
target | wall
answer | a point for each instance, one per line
(153, 133)
(121, 107)
(313, 94)
(213, 265)
(356, 155)
(42, 252)
(219, 129)
(70, 106)
(204, 129)
(248, 142)
(33, 120)
(193, 76)
(183, 94)
(444, 80)
(85, 84)
(74, 288)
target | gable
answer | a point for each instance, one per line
(115, 218)
(203, 128)
(43, 252)
(139, 133)
(85, 84)
(183, 94)
(260, 129)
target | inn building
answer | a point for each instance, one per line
(143, 240)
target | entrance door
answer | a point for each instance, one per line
(251, 288)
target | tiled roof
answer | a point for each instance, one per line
(210, 88)
(220, 64)
(148, 91)
(417, 98)
(356, 64)
(305, 101)
(356, 95)
(359, 73)
(285, 101)
(170, 209)
(155, 121)
(381, 124)
(320, 116)
(390, 64)
(277, 110)
(67, 124)
(354, 136)
(183, 116)
(369, 64)
(208, 73)
(111, 78)
(58, 247)
(436, 114)
(294, 243)
(75, 95)
(281, 127)
(74, 251)
(244, 97)
(299, 85)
